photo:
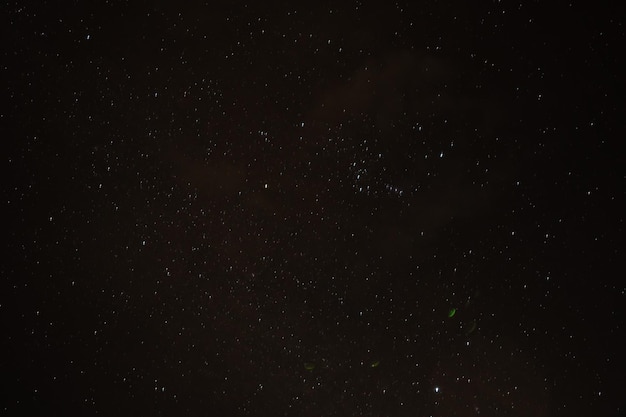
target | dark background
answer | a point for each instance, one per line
(340, 209)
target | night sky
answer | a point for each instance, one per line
(414, 208)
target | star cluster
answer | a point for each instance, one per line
(407, 209)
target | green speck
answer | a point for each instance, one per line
(309, 366)
(374, 364)
(470, 327)
(452, 312)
